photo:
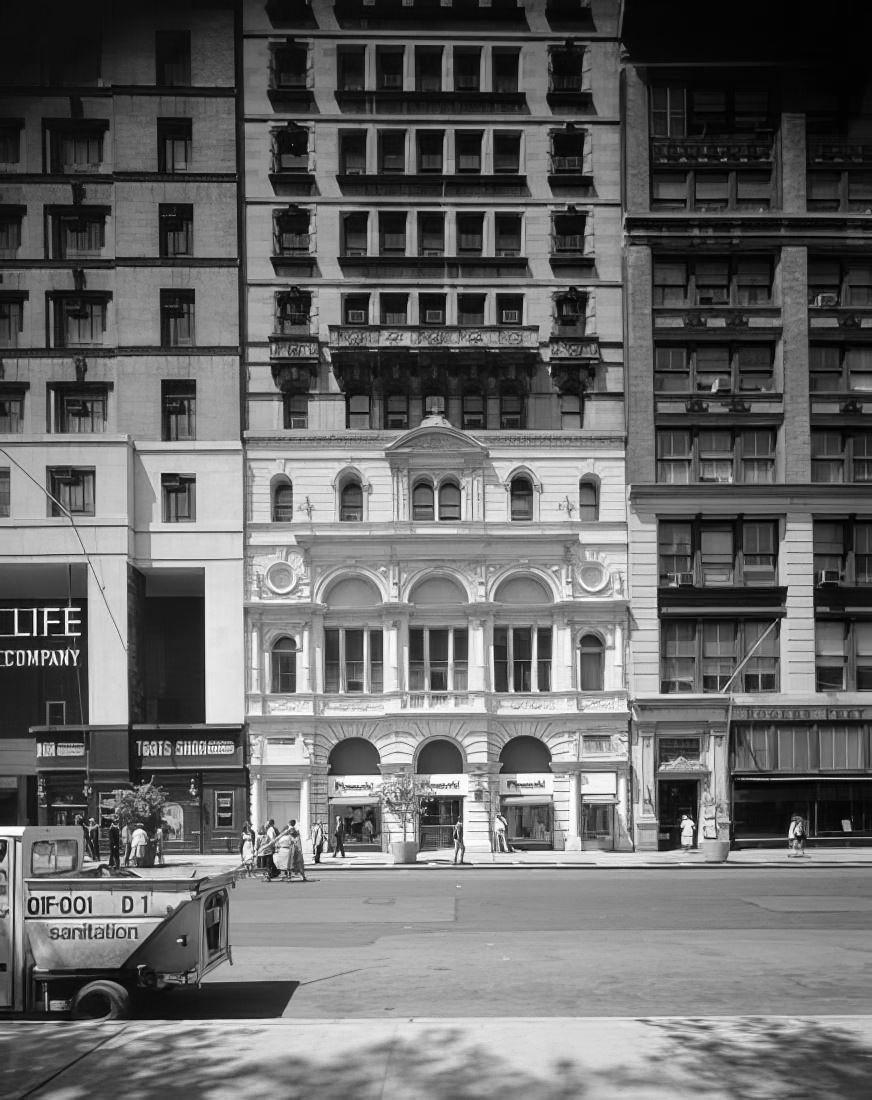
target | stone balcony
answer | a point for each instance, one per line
(443, 702)
(456, 337)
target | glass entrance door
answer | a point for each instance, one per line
(437, 822)
(597, 826)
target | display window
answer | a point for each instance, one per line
(530, 824)
(362, 822)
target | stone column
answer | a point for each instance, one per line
(305, 822)
(570, 774)
(477, 655)
(480, 805)
(646, 821)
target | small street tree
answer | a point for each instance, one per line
(142, 805)
(401, 797)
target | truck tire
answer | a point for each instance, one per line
(101, 1000)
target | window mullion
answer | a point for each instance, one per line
(426, 655)
(367, 678)
(343, 679)
(534, 658)
(449, 679)
(698, 654)
(510, 650)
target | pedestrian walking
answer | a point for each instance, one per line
(298, 865)
(246, 848)
(459, 846)
(339, 837)
(270, 835)
(259, 845)
(501, 829)
(138, 845)
(317, 842)
(114, 845)
(687, 828)
(126, 835)
(282, 854)
(93, 834)
(796, 837)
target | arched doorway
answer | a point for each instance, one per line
(353, 784)
(441, 761)
(527, 793)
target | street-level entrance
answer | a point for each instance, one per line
(674, 798)
(438, 816)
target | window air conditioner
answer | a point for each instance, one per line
(349, 517)
(355, 251)
(507, 252)
(432, 252)
(828, 577)
(433, 316)
(391, 80)
(511, 316)
(826, 301)
(680, 580)
(63, 475)
(357, 316)
(172, 484)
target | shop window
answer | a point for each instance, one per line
(72, 490)
(11, 320)
(521, 500)
(353, 661)
(731, 281)
(283, 667)
(394, 309)
(713, 554)
(351, 68)
(392, 233)
(841, 748)
(5, 492)
(703, 655)
(358, 411)
(713, 368)
(522, 659)
(507, 152)
(423, 502)
(352, 153)
(178, 409)
(174, 145)
(590, 663)
(177, 318)
(176, 229)
(283, 502)
(843, 655)
(428, 68)
(467, 151)
(840, 368)
(295, 411)
(391, 151)
(472, 416)
(722, 456)
(80, 412)
(351, 503)
(78, 320)
(843, 551)
(841, 456)
(588, 500)
(179, 492)
(292, 311)
(438, 659)
(11, 412)
(505, 66)
(173, 58)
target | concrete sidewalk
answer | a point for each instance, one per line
(473, 1058)
(434, 860)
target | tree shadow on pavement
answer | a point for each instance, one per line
(784, 1059)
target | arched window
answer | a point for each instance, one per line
(449, 501)
(283, 502)
(521, 499)
(588, 500)
(591, 663)
(422, 501)
(283, 667)
(351, 503)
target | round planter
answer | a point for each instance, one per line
(715, 851)
(404, 851)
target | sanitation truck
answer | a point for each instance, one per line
(83, 942)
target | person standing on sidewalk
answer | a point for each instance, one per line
(317, 842)
(114, 845)
(339, 837)
(687, 828)
(796, 837)
(459, 846)
(501, 828)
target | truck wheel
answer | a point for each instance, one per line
(101, 1000)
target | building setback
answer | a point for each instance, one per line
(121, 653)
(435, 505)
(749, 314)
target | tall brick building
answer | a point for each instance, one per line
(436, 539)
(120, 454)
(748, 185)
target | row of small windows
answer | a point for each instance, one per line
(72, 146)
(71, 491)
(79, 319)
(83, 409)
(438, 661)
(79, 232)
(440, 502)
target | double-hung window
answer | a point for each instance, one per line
(179, 492)
(72, 490)
(174, 145)
(843, 551)
(178, 409)
(720, 455)
(522, 659)
(841, 456)
(728, 281)
(438, 659)
(176, 229)
(713, 368)
(353, 661)
(80, 412)
(714, 655)
(79, 320)
(843, 654)
(177, 318)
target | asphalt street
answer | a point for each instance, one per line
(544, 943)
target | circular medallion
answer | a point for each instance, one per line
(592, 576)
(281, 578)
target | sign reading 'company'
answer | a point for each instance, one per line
(29, 637)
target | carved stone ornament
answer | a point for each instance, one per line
(282, 577)
(592, 576)
(607, 704)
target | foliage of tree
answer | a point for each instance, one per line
(143, 805)
(401, 795)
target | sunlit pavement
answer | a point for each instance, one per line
(726, 1058)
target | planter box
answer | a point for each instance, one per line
(404, 851)
(715, 851)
